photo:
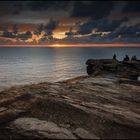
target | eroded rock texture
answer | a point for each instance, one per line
(127, 69)
(102, 106)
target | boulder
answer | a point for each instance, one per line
(35, 128)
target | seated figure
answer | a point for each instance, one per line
(126, 58)
(134, 58)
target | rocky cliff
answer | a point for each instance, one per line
(125, 69)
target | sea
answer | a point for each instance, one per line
(19, 66)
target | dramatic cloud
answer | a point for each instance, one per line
(70, 33)
(47, 29)
(108, 26)
(87, 27)
(40, 28)
(52, 25)
(127, 31)
(95, 10)
(102, 25)
(15, 29)
(82, 21)
(14, 33)
(24, 36)
(8, 34)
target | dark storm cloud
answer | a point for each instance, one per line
(40, 28)
(125, 34)
(45, 5)
(53, 24)
(102, 25)
(15, 29)
(70, 33)
(39, 5)
(132, 6)
(12, 7)
(24, 36)
(50, 27)
(127, 31)
(87, 27)
(95, 10)
(109, 26)
(14, 33)
(19, 8)
(8, 34)
(102, 16)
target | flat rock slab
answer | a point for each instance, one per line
(34, 127)
(84, 134)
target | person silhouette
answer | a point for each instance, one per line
(126, 58)
(114, 56)
(134, 58)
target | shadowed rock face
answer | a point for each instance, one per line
(128, 69)
(102, 106)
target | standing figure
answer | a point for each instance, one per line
(114, 56)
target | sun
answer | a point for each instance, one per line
(56, 45)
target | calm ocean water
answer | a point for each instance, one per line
(33, 65)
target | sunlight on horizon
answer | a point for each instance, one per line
(73, 45)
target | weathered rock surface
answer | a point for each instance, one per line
(9, 114)
(84, 134)
(129, 69)
(36, 128)
(103, 106)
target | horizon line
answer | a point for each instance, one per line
(59, 45)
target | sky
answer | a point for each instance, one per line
(69, 22)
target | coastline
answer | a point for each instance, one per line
(102, 106)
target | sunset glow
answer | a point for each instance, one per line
(70, 24)
(71, 45)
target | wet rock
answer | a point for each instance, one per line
(36, 128)
(84, 134)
